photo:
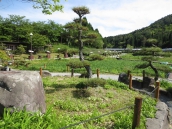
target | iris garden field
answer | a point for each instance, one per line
(105, 106)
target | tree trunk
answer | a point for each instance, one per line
(89, 71)
(81, 57)
(155, 70)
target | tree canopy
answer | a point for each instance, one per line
(157, 34)
(47, 6)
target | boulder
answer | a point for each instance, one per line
(46, 73)
(161, 118)
(147, 82)
(123, 77)
(169, 76)
(21, 90)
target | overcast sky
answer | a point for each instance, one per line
(110, 17)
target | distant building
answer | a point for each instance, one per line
(13, 45)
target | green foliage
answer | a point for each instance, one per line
(48, 7)
(95, 57)
(75, 64)
(23, 119)
(157, 34)
(152, 51)
(3, 56)
(165, 84)
(116, 84)
(2, 47)
(63, 49)
(148, 108)
(72, 51)
(80, 105)
(149, 58)
(20, 50)
(18, 63)
(93, 82)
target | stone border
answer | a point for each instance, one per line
(161, 118)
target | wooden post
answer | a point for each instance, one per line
(128, 73)
(137, 111)
(157, 86)
(143, 74)
(143, 80)
(67, 68)
(98, 72)
(44, 66)
(72, 72)
(130, 81)
(40, 72)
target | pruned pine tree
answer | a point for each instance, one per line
(149, 62)
(81, 33)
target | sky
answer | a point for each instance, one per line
(110, 17)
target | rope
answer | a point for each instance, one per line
(97, 117)
(149, 94)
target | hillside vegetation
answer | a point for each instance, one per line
(158, 34)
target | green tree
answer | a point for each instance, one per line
(3, 56)
(38, 41)
(81, 11)
(148, 61)
(20, 50)
(47, 6)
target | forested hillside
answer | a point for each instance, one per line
(17, 28)
(158, 34)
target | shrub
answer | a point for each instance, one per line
(95, 57)
(77, 64)
(117, 84)
(72, 51)
(93, 82)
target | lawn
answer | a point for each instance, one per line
(101, 107)
(97, 107)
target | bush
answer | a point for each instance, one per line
(117, 84)
(77, 64)
(95, 57)
(165, 84)
(72, 51)
(94, 82)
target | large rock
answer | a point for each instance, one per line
(123, 77)
(21, 90)
(147, 82)
(161, 119)
(169, 76)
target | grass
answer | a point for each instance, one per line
(108, 65)
(67, 105)
(85, 104)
